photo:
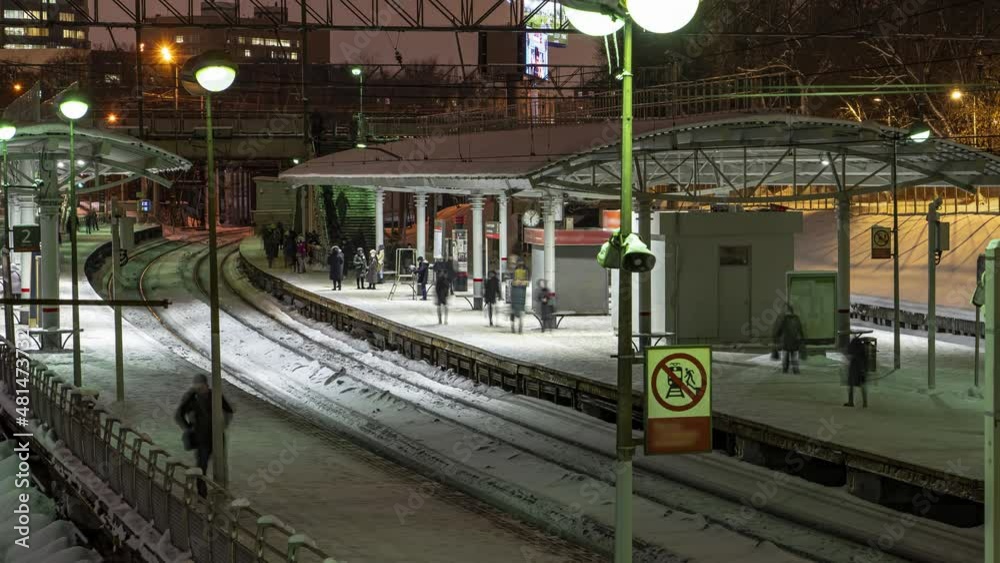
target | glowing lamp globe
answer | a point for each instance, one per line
(593, 23)
(920, 132)
(7, 130)
(214, 71)
(356, 71)
(73, 105)
(659, 16)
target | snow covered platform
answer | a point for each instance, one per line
(908, 439)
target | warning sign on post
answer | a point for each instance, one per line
(678, 399)
(881, 242)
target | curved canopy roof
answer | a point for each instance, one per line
(99, 154)
(723, 160)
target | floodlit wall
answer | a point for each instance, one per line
(704, 285)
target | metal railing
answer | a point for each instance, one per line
(215, 529)
(728, 94)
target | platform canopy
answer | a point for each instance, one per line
(775, 158)
(104, 159)
(742, 159)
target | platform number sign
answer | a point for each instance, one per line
(145, 205)
(881, 242)
(27, 238)
(678, 405)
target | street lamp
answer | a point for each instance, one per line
(214, 72)
(73, 105)
(167, 56)
(7, 132)
(918, 132)
(602, 17)
(362, 137)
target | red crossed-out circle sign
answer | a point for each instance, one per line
(692, 397)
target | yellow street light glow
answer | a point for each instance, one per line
(112, 118)
(653, 16)
(956, 95)
(165, 54)
(18, 87)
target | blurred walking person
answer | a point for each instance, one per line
(272, 242)
(336, 263)
(194, 415)
(289, 245)
(422, 271)
(491, 293)
(790, 339)
(301, 252)
(360, 267)
(442, 286)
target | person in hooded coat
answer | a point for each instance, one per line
(272, 241)
(371, 276)
(442, 288)
(789, 338)
(336, 263)
(360, 267)
(856, 371)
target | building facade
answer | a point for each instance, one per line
(42, 24)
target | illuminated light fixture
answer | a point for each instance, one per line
(80, 162)
(654, 16)
(919, 132)
(165, 54)
(215, 70)
(112, 118)
(356, 71)
(824, 161)
(956, 95)
(360, 145)
(73, 104)
(18, 87)
(877, 100)
(7, 130)
(61, 164)
(592, 19)
(295, 161)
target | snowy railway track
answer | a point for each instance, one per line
(505, 419)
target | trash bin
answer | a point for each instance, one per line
(871, 352)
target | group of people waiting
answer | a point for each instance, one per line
(368, 269)
(298, 250)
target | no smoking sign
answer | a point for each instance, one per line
(678, 399)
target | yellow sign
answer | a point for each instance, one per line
(678, 392)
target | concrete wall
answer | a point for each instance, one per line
(581, 283)
(692, 307)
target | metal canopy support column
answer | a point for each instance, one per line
(549, 213)
(48, 288)
(379, 218)
(477, 202)
(502, 210)
(843, 270)
(420, 199)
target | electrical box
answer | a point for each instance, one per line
(126, 232)
(944, 237)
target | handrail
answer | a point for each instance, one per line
(147, 478)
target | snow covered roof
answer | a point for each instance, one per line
(735, 159)
(41, 147)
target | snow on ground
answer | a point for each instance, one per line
(341, 495)
(747, 385)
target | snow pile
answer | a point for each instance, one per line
(30, 526)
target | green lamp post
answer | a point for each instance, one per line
(603, 17)
(73, 105)
(214, 72)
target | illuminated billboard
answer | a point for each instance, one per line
(536, 55)
(546, 14)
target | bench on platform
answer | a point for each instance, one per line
(559, 316)
(35, 334)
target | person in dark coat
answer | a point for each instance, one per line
(442, 287)
(371, 276)
(789, 337)
(491, 293)
(336, 263)
(272, 242)
(290, 249)
(856, 371)
(360, 267)
(194, 415)
(518, 298)
(545, 304)
(422, 271)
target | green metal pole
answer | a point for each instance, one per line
(625, 444)
(219, 465)
(75, 282)
(896, 357)
(991, 422)
(116, 271)
(8, 310)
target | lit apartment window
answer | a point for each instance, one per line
(246, 53)
(73, 34)
(67, 17)
(112, 79)
(286, 43)
(294, 55)
(19, 31)
(241, 40)
(179, 39)
(22, 15)
(274, 55)
(37, 32)
(23, 46)
(256, 40)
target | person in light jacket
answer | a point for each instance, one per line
(372, 275)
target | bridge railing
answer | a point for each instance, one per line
(723, 95)
(164, 491)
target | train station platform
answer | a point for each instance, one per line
(923, 439)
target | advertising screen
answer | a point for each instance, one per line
(546, 14)
(536, 55)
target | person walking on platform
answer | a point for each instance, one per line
(360, 267)
(371, 276)
(491, 293)
(380, 260)
(290, 249)
(272, 242)
(301, 252)
(422, 271)
(790, 339)
(336, 262)
(442, 286)
(545, 304)
(518, 298)
(856, 371)
(194, 415)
